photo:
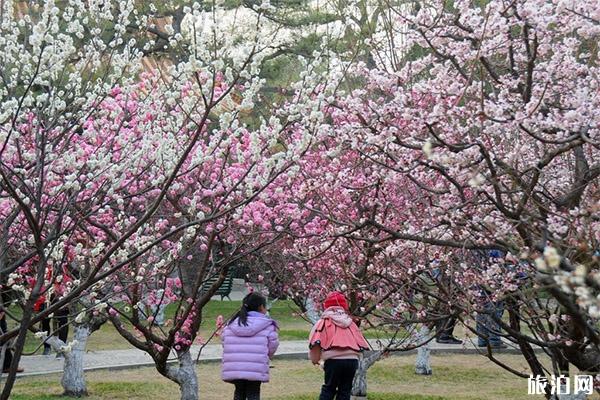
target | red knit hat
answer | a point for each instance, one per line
(335, 299)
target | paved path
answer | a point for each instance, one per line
(133, 358)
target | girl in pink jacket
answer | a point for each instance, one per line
(249, 341)
(337, 341)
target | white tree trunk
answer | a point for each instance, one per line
(311, 311)
(359, 386)
(423, 364)
(185, 375)
(73, 380)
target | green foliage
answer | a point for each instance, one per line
(280, 70)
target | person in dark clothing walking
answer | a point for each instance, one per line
(445, 331)
(487, 328)
(8, 356)
(61, 319)
(445, 326)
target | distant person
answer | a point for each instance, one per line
(444, 326)
(8, 353)
(61, 316)
(337, 341)
(488, 329)
(445, 331)
(249, 341)
(157, 311)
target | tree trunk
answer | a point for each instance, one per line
(73, 380)
(423, 365)
(311, 311)
(185, 376)
(18, 351)
(359, 386)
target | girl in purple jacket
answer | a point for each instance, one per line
(249, 341)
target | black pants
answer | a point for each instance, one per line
(62, 322)
(339, 375)
(8, 354)
(246, 390)
(445, 327)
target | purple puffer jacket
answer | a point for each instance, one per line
(247, 349)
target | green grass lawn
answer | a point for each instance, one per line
(292, 327)
(286, 313)
(455, 377)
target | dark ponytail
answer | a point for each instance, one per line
(252, 302)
